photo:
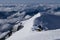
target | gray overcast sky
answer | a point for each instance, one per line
(29, 1)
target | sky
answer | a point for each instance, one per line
(29, 1)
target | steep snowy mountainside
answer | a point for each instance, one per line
(11, 15)
(27, 29)
(27, 34)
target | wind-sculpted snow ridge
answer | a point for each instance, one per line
(12, 15)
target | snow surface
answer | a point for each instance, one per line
(26, 32)
(47, 35)
(28, 24)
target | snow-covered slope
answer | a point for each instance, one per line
(27, 34)
(47, 35)
(25, 12)
(27, 30)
